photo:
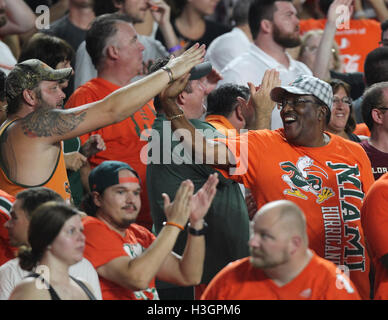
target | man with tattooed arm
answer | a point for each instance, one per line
(30, 138)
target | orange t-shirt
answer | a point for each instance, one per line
(328, 183)
(362, 129)
(103, 244)
(221, 124)
(319, 280)
(375, 224)
(124, 140)
(6, 251)
(58, 180)
(365, 31)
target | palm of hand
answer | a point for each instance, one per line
(178, 211)
(199, 205)
(201, 201)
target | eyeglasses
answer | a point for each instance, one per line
(295, 103)
(345, 100)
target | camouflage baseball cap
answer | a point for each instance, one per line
(28, 74)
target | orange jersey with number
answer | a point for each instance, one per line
(319, 280)
(328, 183)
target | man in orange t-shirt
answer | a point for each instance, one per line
(323, 174)
(123, 140)
(121, 250)
(104, 245)
(281, 267)
(375, 223)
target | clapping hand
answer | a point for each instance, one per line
(202, 200)
(187, 205)
(178, 211)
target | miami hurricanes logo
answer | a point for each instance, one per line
(300, 178)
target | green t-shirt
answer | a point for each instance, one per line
(228, 232)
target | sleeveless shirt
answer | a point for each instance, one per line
(57, 181)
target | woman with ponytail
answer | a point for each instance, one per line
(56, 242)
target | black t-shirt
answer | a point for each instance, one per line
(64, 29)
(212, 31)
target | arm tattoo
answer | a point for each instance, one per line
(46, 122)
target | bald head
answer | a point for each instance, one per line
(278, 236)
(288, 215)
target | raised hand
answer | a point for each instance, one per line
(181, 65)
(260, 96)
(160, 11)
(337, 8)
(174, 89)
(210, 81)
(261, 100)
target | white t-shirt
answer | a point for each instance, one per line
(226, 47)
(11, 275)
(250, 67)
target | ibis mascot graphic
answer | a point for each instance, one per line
(302, 178)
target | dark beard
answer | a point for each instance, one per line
(285, 40)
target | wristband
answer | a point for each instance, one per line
(169, 72)
(196, 232)
(167, 223)
(176, 48)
